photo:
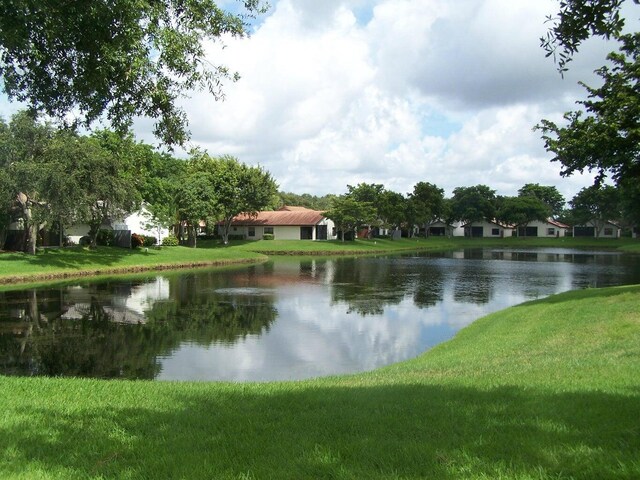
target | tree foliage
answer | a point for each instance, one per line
(577, 20)
(220, 188)
(522, 210)
(427, 201)
(547, 194)
(596, 205)
(114, 59)
(473, 204)
(349, 214)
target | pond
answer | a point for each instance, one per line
(290, 318)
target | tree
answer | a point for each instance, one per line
(392, 210)
(473, 204)
(604, 136)
(348, 214)
(92, 179)
(548, 194)
(596, 205)
(24, 146)
(428, 203)
(218, 189)
(114, 59)
(522, 210)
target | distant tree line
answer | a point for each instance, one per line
(52, 178)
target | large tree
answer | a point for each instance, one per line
(521, 211)
(596, 205)
(92, 179)
(220, 188)
(427, 200)
(349, 214)
(23, 147)
(114, 59)
(547, 194)
(473, 204)
(604, 135)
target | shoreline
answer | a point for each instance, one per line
(44, 277)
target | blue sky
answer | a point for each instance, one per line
(339, 92)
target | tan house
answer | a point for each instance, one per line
(287, 223)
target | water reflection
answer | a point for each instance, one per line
(285, 319)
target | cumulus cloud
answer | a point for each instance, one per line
(339, 92)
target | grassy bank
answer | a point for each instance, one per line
(547, 389)
(60, 263)
(77, 261)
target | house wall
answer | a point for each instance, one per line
(544, 229)
(489, 230)
(609, 230)
(136, 222)
(77, 231)
(287, 233)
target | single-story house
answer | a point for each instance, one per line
(549, 228)
(440, 228)
(608, 229)
(287, 223)
(136, 222)
(487, 228)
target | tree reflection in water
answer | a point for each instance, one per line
(337, 315)
(91, 331)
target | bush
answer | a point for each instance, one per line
(170, 241)
(84, 241)
(267, 236)
(149, 240)
(136, 240)
(236, 237)
(105, 237)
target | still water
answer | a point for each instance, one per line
(286, 319)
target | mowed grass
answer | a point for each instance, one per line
(548, 389)
(15, 266)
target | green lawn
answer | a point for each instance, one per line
(52, 263)
(548, 389)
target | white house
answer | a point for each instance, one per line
(549, 228)
(607, 230)
(440, 228)
(487, 229)
(136, 222)
(288, 223)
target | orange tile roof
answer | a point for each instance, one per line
(293, 216)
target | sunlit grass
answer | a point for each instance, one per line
(77, 260)
(547, 389)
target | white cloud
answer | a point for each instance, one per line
(339, 92)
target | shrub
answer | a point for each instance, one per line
(267, 236)
(105, 237)
(84, 241)
(136, 240)
(170, 241)
(149, 240)
(236, 237)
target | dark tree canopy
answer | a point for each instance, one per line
(114, 59)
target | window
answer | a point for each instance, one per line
(252, 231)
(495, 232)
(551, 231)
(268, 230)
(608, 231)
